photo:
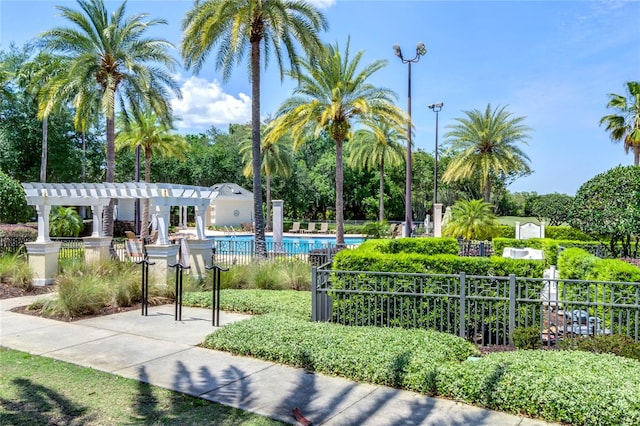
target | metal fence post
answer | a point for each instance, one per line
(179, 269)
(215, 298)
(314, 293)
(512, 307)
(463, 297)
(482, 249)
(145, 285)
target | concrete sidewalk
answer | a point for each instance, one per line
(161, 351)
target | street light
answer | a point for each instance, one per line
(436, 108)
(420, 51)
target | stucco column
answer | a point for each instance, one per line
(277, 225)
(199, 256)
(96, 249)
(43, 261)
(162, 216)
(96, 213)
(201, 211)
(43, 223)
(517, 230)
(542, 224)
(162, 256)
(437, 220)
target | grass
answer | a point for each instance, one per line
(42, 391)
(511, 220)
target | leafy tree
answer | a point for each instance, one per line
(111, 60)
(554, 208)
(153, 137)
(13, 208)
(624, 125)
(332, 96)
(484, 145)
(609, 205)
(372, 149)
(470, 220)
(65, 222)
(237, 25)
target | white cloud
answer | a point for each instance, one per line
(322, 4)
(205, 104)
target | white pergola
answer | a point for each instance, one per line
(98, 195)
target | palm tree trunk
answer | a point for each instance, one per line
(261, 246)
(339, 195)
(268, 225)
(636, 155)
(107, 217)
(381, 218)
(487, 189)
(144, 224)
(43, 157)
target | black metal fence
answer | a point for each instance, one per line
(482, 309)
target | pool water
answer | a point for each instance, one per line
(296, 245)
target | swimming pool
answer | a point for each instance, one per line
(303, 244)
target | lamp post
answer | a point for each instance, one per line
(420, 51)
(436, 108)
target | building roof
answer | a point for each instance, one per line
(230, 191)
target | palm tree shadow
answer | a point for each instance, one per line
(146, 404)
(39, 405)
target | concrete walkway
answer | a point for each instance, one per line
(161, 351)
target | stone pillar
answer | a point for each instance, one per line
(43, 261)
(163, 256)
(542, 224)
(199, 256)
(517, 230)
(277, 225)
(437, 220)
(96, 249)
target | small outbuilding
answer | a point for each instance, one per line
(231, 205)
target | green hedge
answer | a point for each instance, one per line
(566, 233)
(576, 263)
(549, 246)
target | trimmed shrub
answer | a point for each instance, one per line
(616, 344)
(566, 233)
(526, 337)
(503, 231)
(13, 208)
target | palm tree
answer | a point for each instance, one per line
(111, 61)
(470, 219)
(239, 25)
(152, 136)
(625, 124)
(277, 160)
(484, 144)
(332, 96)
(33, 75)
(371, 149)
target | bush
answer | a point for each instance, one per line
(13, 237)
(567, 387)
(13, 208)
(616, 344)
(526, 337)
(566, 233)
(65, 222)
(14, 270)
(406, 359)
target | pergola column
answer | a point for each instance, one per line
(43, 211)
(162, 215)
(43, 261)
(162, 256)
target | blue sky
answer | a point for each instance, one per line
(553, 62)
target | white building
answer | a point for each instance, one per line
(231, 205)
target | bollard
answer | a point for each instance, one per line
(145, 285)
(179, 269)
(215, 298)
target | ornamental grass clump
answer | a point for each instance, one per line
(14, 270)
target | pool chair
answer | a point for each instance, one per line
(295, 228)
(324, 228)
(310, 229)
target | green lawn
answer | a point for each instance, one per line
(41, 391)
(511, 220)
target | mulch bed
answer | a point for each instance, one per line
(8, 291)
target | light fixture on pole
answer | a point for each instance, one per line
(436, 108)
(420, 51)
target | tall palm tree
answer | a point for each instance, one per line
(33, 76)
(375, 149)
(152, 136)
(332, 96)
(236, 26)
(625, 124)
(277, 160)
(112, 61)
(484, 144)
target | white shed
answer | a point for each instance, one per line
(231, 205)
